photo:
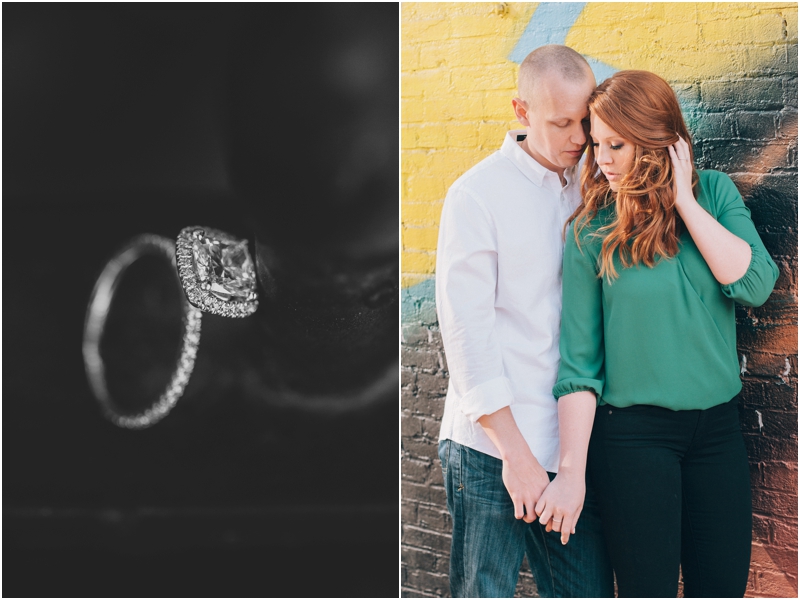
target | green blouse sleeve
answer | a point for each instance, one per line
(755, 286)
(581, 343)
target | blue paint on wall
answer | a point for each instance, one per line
(418, 304)
(550, 23)
(601, 70)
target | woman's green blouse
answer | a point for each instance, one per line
(665, 335)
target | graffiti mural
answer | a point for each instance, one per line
(734, 68)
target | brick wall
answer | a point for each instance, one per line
(734, 67)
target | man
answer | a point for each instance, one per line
(498, 297)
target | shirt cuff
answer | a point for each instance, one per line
(487, 398)
(754, 287)
(578, 384)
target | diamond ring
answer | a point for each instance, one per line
(217, 275)
(216, 272)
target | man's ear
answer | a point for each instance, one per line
(521, 111)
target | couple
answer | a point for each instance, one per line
(638, 370)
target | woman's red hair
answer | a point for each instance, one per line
(642, 108)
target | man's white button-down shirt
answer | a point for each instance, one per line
(498, 296)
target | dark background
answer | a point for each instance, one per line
(121, 119)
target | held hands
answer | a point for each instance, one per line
(682, 168)
(525, 480)
(523, 476)
(558, 504)
(561, 504)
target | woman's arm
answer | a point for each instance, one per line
(562, 500)
(580, 383)
(727, 255)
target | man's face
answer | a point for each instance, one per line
(557, 121)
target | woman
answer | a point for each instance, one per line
(656, 256)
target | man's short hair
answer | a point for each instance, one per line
(552, 58)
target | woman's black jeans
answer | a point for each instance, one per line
(674, 491)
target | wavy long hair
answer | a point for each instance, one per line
(642, 108)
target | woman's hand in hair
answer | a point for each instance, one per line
(727, 256)
(682, 167)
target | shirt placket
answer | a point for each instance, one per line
(563, 202)
(552, 184)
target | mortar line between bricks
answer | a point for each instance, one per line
(417, 528)
(418, 592)
(430, 551)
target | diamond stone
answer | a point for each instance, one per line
(224, 264)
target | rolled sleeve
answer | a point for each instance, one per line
(486, 398)
(581, 343)
(466, 284)
(755, 286)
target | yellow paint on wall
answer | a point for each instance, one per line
(456, 86)
(419, 263)
(421, 214)
(420, 237)
(684, 41)
(457, 82)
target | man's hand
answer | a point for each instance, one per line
(561, 503)
(525, 480)
(523, 476)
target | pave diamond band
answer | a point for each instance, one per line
(217, 276)
(94, 327)
(216, 272)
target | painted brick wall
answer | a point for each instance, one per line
(734, 67)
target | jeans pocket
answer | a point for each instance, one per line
(444, 456)
(483, 479)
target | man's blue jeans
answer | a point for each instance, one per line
(489, 542)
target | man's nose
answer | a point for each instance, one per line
(578, 135)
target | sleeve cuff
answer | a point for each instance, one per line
(578, 384)
(754, 287)
(487, 398)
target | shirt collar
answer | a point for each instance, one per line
(530, 167)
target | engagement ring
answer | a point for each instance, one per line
(216, 272)
(217, 276)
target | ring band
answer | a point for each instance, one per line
(95, 323)
(217, 276)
